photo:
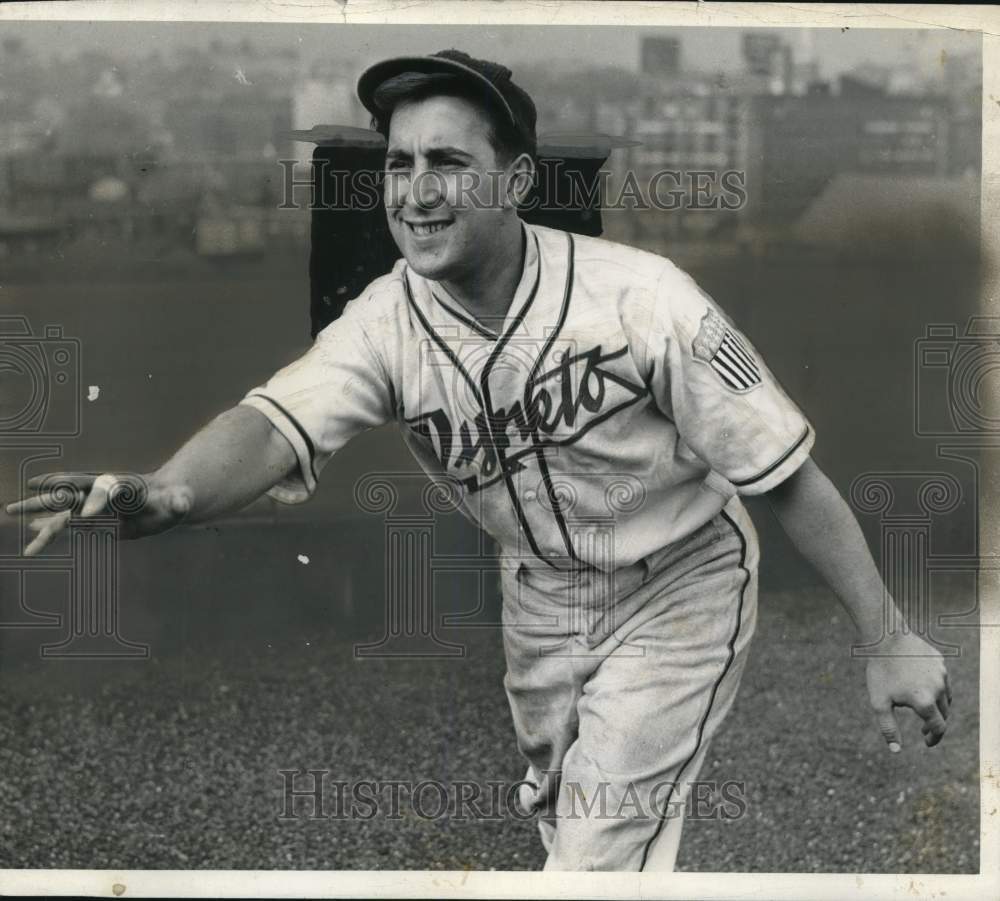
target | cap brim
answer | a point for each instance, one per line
(381, 72)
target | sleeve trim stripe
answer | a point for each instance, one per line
(298, 427)
(744, 482)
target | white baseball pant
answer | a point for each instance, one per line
(617, 685)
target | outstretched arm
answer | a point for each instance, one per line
(232, 461)
(908, 672)
(228, 464)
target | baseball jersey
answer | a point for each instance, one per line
(613, 411)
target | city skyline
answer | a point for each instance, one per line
(835, 51)
(173, 131)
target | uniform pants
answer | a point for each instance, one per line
(617, 683)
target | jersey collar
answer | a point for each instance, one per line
(435, 299)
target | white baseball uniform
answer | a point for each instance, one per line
(602, 434)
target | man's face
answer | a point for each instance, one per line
(443, 189)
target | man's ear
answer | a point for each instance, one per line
(520, 180)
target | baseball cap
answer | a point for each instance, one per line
(494, 78)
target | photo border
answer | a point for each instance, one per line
(507, 884)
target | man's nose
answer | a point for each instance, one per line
(427, 190)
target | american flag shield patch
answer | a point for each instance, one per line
(726, 352)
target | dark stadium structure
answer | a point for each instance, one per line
(350, 240)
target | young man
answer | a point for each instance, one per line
(600, 417)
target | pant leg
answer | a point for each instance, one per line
(548, 620)
(645, 722)
(547, 667)
(661, 855)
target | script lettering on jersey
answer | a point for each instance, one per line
(557, 407)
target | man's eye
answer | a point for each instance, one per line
(396, 167)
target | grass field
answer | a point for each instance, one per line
(174, 763)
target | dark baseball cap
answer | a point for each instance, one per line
(494, 78)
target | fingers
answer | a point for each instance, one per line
(47, 529)
(66, 495)
(889, 728)
(934, 724)
(66, 498)
(943, 703)
(61, 491)
(54, 501)
(76, 479)
(100, 492)
(933, 709)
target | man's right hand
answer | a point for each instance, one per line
(143, 504)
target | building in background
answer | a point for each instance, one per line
(172, 132)
(767, 61)
(202, 130)
(962, 88)
(660, 57)
(325, 93)
(797, 145)
(790, 133)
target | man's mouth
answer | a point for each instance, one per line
(427, 228)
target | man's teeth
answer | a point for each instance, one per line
(428, 229)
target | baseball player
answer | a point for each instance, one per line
(597, 414)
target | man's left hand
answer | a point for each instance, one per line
(911, 674)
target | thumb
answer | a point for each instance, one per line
(100, 491)
(180, 502)
(889, 728)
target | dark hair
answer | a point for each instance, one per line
(507, 140)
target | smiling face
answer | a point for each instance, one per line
(445, 189)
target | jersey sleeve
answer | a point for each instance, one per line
(338, 389)
(711, 381)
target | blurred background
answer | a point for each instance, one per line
(142, 225)
(149, 138)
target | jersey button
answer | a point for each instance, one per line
(530, 494)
